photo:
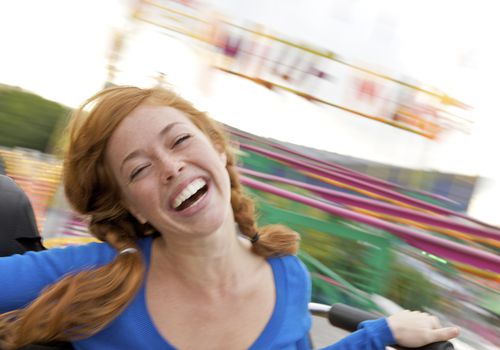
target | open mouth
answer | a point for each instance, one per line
(193, 199)
(190, 195)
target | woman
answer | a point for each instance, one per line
(184, 265)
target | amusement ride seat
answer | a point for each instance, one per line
(19, 234)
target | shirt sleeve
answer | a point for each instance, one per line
(371, 335)
(23, 277)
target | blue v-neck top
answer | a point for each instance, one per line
(24, 276)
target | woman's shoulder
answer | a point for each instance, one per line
(294, 290)
(291, 268)
(289, 261)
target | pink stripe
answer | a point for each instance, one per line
(385, 208)
(435, 245)
(360, 184)
(343, 170)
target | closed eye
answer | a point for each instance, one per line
(181, 140)
(137, 171)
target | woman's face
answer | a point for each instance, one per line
(169, 172)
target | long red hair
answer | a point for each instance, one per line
(82, 304)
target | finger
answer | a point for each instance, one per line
(435, 323)
(443, 334)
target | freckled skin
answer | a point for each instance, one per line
(162, 162)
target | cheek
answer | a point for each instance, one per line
(226, 184)
(142, 194)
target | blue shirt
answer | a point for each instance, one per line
(24, 276)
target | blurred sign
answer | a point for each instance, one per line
(318, 75)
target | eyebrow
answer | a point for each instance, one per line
(137, 152)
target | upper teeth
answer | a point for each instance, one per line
(188, 191)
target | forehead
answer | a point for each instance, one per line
(148, 118)
(142, 127)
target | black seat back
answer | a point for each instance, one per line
(18, 230)
(19, 234)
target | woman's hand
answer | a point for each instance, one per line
(414, 328)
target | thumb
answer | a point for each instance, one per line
(443, 334)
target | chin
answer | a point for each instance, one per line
(218, 220)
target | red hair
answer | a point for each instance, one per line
(80, 305)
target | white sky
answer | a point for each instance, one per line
(58, 49)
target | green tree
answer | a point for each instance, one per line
(28, 120)
(411, 289)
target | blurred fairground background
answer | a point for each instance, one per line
(370, 127)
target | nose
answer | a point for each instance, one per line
(170, 168)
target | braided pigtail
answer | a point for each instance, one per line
(83, 303)
(269, 240)
(80, 304)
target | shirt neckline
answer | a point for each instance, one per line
(270, 332)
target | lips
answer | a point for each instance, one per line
(188, 193)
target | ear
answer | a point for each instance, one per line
(140, 218)
(223, 158)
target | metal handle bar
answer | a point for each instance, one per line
(348, 318)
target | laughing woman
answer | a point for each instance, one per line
(183, 264)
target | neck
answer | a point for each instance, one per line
(218, 262)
